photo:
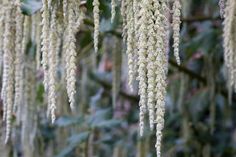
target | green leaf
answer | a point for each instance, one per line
(66, 121)
(99, 116)
(74, 140)
(108, 124)
(78, 138)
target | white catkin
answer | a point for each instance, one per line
(142, 69)
(124, 13)
(176, 28)
(130, 44)
(9, 51)
(228, 40)
(3, 61)
(65, 7)
(96, 17)
(113, 10)
(38, 41)
(165, 30)
(24, 40)
(45, 41)
(19, 58)
(1, 34)
(79, 16)
(151, 64)
(71, 56)
(161, 65)
(52, 66)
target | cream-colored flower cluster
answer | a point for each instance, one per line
(146, 28)
(176, 28)
(16, 31)
(51, 31)
(8, 68)
(113, 10)
(52, 61)
(71, 56)
(96, 19)
(13, 33)
(229, 35)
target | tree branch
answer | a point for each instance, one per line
(108, 86)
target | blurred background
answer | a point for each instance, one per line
(200, 113)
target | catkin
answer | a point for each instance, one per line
(146, 33)
(65, 8)
(9, 66)
(52, 66)
(38, 41)
(228, 40)
(124, 13)
(19, 58)
(96, 17)
(45, 41)
(71, 56)
(113, 10)
(1, 34)
(161, 74)
(142, 62)
(3, 60)
(176, 28)
(130, 44)
(151, 64)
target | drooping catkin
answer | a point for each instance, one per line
(9, 66)
(124, 12)
(146, 33)
(24, 40)
(160, 95)
(165, 30)
(3, 61)
(176, 28)
(71, 56)
(52, 55)
(151, 63)
(1, 35)
(113, 10)
(19, 58)
(130, 43)
(38, 41)
(96, 18)
(161, 74)
(229, 40)
(65, 10)
(45, 41)
(79, 16)
(142, 62)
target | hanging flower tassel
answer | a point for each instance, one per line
(9, 67)
(176, 28)
(113, 10)
(71, 56)
(52, 66)
(19, 58)
(45, 41)
(96, 17)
